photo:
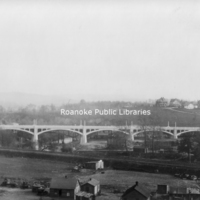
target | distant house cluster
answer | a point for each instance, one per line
(163, 192)
(177, 103)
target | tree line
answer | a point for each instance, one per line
(51, 115)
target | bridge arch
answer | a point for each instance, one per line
(136, 133)
(41, 132)
(190, 131)
(95, 131)
(18, 129)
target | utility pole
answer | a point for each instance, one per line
(153, 142)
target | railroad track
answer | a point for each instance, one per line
(138, 161)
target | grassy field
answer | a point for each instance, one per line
(34, 169)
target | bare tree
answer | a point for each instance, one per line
(155, 126)
(151, 124)
(143, 122)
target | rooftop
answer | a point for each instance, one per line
(93, 182)
(145, 192)
(100, 161)
(63, 183)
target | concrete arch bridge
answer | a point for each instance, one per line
(85, 130)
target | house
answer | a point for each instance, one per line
(189, 105)
(162, 102)
(175, 103)
(64, 187)
(136, 192)
(91, 186)
(94, 165)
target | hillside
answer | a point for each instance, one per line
(51, 114)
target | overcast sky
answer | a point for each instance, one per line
(136, 49)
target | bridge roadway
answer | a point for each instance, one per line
(85, 130)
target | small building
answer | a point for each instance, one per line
(91, 186)
(136, 192)
(162, 102)
(64, 187)
(94, 165)
(84, 196)
(101, 164)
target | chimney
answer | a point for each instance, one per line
(65, 176)
(136, 183)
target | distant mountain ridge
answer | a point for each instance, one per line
(23, 99)
(17, 99)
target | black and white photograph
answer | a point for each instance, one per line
(99, 100)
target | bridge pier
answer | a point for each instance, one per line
(133, 137)
(131, 129)
(175, 134)
(84, 137)
(35, 139)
